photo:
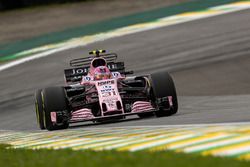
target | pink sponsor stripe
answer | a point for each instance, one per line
(145, 102)
(141, 102)
(170, 100)
(79, 113)
(86, 113)
(142, 109)
(141, 106)
(53, 117)
(82, 110)
(82, 116)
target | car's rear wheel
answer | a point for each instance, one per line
(54, 99)
(39, 109)
(163, 87)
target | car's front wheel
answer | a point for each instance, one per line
(163, 88)
(54, 100)
(39, 109)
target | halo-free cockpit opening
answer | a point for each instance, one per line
(98, 62)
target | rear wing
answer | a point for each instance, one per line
(85, 61)
(75, 74)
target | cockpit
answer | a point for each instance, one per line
(96, 62)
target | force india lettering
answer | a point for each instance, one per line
(108, 90)
(109, 82)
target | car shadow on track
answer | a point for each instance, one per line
(98, 124)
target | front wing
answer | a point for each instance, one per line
(110, 116)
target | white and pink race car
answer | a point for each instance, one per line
(99, 90)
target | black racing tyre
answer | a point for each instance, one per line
(163, 86)
(39, 109)
(54, 100)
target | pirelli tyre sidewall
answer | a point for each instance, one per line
(54, 99)
(163, 86)
(39, 109)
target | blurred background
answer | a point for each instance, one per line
(208, 58)
(24, 19)
(13, 4)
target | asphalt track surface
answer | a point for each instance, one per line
(209, 60)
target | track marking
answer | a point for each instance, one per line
(193, 141)
(147, 145)
(233, 150)
(231, 140)
(222, 143)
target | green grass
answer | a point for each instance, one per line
(67, 158)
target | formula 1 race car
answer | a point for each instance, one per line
(98, 90)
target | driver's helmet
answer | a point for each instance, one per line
(96, 62)
(102, 72)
